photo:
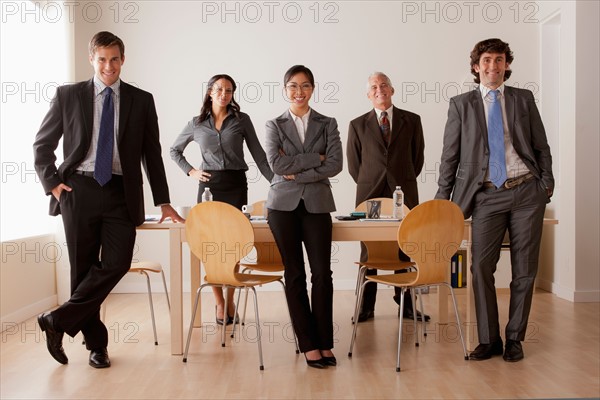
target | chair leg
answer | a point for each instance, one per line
(359, 301)
(260, 355)
(400, 328)
(245, 305)
(423, 321)
(360, 279)
(189, 338)
(462, 339)
(415, 321)
(225, 316)
(151, 306)
(166, 290)
(235, 311)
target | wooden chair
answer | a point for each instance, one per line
(381, 256)
(430, 234)
(143, 268)
(266, 259)
(220, 236)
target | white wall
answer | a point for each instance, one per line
(36, 57)
(172, 48)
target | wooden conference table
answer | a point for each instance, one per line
(343, 231)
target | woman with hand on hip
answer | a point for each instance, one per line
(220, 130)
(304, 150)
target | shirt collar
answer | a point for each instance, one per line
(389, 111)
(99, 86)
(304, 118)
(484, 90)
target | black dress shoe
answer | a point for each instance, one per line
(513, 351)
(54, 338)
(485, 351)
(230, 319)
(365, 315)
(99, 358)
(319, 364)
(329, 361)
(408, 314)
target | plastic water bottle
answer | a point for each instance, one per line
(398, 201)
(207, 195)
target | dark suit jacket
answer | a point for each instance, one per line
(302, 160)
(71, 118)
(373, 166)
(465, 155)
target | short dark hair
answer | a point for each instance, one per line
(105, 39)
(491, 46)
(296, 69)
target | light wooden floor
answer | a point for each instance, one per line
(562, 358)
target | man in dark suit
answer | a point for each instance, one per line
(385, 149)
(496, 165)
(108, 128)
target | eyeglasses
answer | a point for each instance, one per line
(294, 87)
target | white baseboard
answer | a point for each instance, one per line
(23, 314)
(580, 296)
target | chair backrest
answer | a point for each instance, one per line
(220, 235)
(266, 252)
(258, 208)
(430, 235)
(381, 251)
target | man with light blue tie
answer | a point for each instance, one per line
(496, 165)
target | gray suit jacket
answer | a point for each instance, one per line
(465, 154)
(302, 160)
(375, 166)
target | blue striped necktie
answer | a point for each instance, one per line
(497, 166)
(106, 140)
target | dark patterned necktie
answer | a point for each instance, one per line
(385, 128)
(497, 167)
(106, 140)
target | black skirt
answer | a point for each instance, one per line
(228, 186)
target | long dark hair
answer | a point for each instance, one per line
(207, 102)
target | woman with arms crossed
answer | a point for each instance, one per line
(304, 150)
(220, 130)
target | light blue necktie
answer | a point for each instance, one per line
(497, 166)
(106, 140)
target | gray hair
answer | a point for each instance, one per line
(375, 74)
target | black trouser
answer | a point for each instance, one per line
(313, 321)
(100, 238)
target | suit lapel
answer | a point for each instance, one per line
(477, 103)
(313, 130)
(509, 105)
(86, 101)
(288, 129)
(125, 102)
(397, 124)
(373, 128)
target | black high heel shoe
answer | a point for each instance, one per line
(219, 320)
(319, 364)
(329, 361)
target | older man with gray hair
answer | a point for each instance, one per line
(385, 149)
